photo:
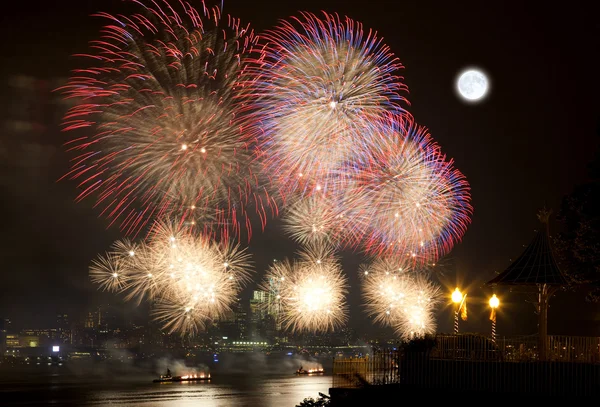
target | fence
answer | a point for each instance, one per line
(380, 368)
(476, 363)
(517, 349)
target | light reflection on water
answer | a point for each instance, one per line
(226, 390)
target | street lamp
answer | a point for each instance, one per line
(458, 299)
(494, 304)
(457, 296)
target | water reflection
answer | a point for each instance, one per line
(225, 390)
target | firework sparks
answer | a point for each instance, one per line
(191, 279)
(107, 272)
(388, 289)
(418, 319)
(313, 219)
(405, 197)
(396, 298)
(312, 290)
(320, 85)
(174, 116)
(157, 121)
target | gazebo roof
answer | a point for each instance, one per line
(536, 265)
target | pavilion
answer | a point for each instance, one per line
(536, 271)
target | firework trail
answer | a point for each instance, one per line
(405, 197)
(190, 279)
(397, 295)
(311, 290)
(319, 87)
(157, 124)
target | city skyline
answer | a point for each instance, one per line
(255, 323)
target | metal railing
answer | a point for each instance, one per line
(574, 348)
(571, 365)
(380, 368)
(517, 349)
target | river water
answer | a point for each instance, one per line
(235, 390)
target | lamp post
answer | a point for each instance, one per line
(458, 299)
(494, 304)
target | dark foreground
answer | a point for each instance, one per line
(372, 395)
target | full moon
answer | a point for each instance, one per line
(472, 85)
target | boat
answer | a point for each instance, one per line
(167, 378)
(303, 371)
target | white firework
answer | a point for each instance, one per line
(312, 290)
(191, 280)
(398, 296)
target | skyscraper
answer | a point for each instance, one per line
(241, 319)
(258, 310)
(233, 323)
(265, 310)
(3, 330)
(274, 302)
(89, 321)
(64, 328)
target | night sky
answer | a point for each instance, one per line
(525, 146)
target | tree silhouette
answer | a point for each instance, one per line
(578, 245)
(322, 401)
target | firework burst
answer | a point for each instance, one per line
(191, 280)
(156, 124)
(108, 273)
(311, 290)
(320, 86)
(397, 296)
(314, 219)
(418, 319)
(404, 197)
(388, 289)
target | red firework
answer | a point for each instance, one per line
(404, 196)
(319, 87)
(157, 127)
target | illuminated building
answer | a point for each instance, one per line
(12, 341)
(257, 312)
(3, 331)
(29, 341)
(64, 329)
(89, 321)
(248, 345)
(33, 338)
(233, 324)
(265, 313)
(274, 302)
(241, 320)
(258, 306)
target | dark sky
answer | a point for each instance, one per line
(526, 146)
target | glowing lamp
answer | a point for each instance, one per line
(457, 296)
(494, 301)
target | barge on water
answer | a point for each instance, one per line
(310, 371)
(167, 378)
